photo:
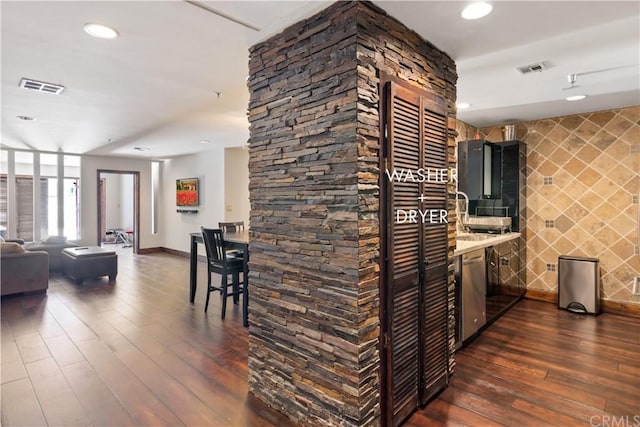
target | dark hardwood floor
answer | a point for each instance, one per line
(133, 352)
(540, 366)
(136, 353)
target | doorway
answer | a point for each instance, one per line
(118, 208)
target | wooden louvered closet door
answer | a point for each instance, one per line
(415, 268)
(434, 287)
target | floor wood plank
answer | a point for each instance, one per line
(20, 406)
(98, 401)
(139, 400)
(496, 389)
(59, 404)
(11, 367)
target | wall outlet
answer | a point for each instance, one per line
(228, 208)
(636, 286)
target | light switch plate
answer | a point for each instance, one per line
(636, 286)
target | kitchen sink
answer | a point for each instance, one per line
(475, 237)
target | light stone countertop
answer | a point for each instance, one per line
(466, 246)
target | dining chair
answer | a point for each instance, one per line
(232, 227)
(218, 262)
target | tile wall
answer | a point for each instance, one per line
(583, 182)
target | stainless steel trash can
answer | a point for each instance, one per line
(579, 284)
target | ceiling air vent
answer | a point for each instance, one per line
(537, 67)
(41, 86)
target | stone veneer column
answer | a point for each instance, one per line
(314, 190)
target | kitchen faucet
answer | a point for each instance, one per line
(465, 214)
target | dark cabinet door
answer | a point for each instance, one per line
(414, 284)
(511, 165)
(471, 168)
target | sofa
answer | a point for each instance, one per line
(53, 245)
(22, 271)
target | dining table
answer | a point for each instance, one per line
(233, 240)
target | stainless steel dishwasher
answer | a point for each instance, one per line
(472, 275)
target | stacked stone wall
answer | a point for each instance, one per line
(314, 190)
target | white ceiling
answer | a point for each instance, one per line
(156, 85)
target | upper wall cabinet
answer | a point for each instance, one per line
(491, 175)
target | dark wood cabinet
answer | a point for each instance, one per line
(505, 284)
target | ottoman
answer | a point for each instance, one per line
(86, 262)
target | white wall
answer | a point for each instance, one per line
(209, 168)
(112, 202)
(126, 203)
(89, 197)
(217, 189)
(236, 184)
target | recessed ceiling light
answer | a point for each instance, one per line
(100, 31)
(576, 97)
(463, 105)
(204, 141)
(27, 118)
(476, 10)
